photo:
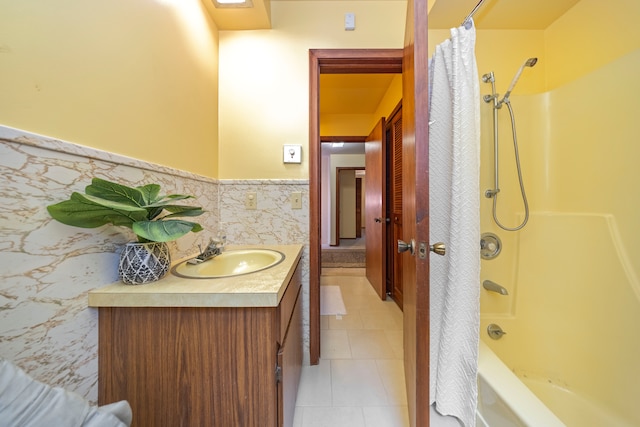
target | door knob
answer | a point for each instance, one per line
(377, 219)
(438, 248)
(387, 220)
(404, 246)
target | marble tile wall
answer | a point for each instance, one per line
(47, 268)
(272, 222)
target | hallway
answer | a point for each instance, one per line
(359, 381)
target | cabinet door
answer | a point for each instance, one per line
(190, 367)
(290, 365)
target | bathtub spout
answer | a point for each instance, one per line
(494, 287)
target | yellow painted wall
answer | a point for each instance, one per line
(591, 34)
(264, 79)
(346, 124)
(133, 77)
(362, 124)
(389, 102)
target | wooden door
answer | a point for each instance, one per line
(395, 203)
(375, 208)
(415, 215)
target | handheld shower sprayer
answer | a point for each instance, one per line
(528, 63)
(497, 104)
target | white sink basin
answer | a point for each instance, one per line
(230, 263)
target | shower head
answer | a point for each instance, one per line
(528, 63)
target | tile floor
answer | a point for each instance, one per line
(359, 381)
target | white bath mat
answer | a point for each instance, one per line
(331, 301)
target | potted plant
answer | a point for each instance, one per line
(142, 209)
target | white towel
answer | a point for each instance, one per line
(454, 202)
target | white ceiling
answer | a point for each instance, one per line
(347, 148)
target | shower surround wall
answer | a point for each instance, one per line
(47, 268)
(572, 316)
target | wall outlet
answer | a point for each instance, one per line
(251, 200)
(296, 200)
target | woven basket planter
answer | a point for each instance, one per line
(142, 263)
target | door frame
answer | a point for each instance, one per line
(331, 61)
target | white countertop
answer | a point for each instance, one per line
(260, 289)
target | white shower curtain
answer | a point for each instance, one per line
(454, 143)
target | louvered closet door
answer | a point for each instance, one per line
(396, 202)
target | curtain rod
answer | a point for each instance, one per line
(470, 15)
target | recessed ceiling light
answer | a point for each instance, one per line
(232, 3)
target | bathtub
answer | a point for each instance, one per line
(508, 400)
(504, 400)
(572, 319)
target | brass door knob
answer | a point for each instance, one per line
(404, 246)
(438, 248)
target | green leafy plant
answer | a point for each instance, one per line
(140, 209)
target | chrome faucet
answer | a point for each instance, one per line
(215, 248)
(494, 287)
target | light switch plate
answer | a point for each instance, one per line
(296, 200)
(293, 153)
(349, 21)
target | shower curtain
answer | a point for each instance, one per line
(454, 144)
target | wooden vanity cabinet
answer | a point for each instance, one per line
(199, 367)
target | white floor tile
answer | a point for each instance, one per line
(348, 321)
(324, 322)
(360, 302)
(380, 319)
(357, 383)
(315, 385)
(396, 341)
(370, 344)
(360, 379)
(386, 416)
(356, 287)
(332, 417)
(392, 374)
(334, 344)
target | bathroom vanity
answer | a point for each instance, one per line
(204, 352)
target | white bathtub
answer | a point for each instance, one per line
(504, 401)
